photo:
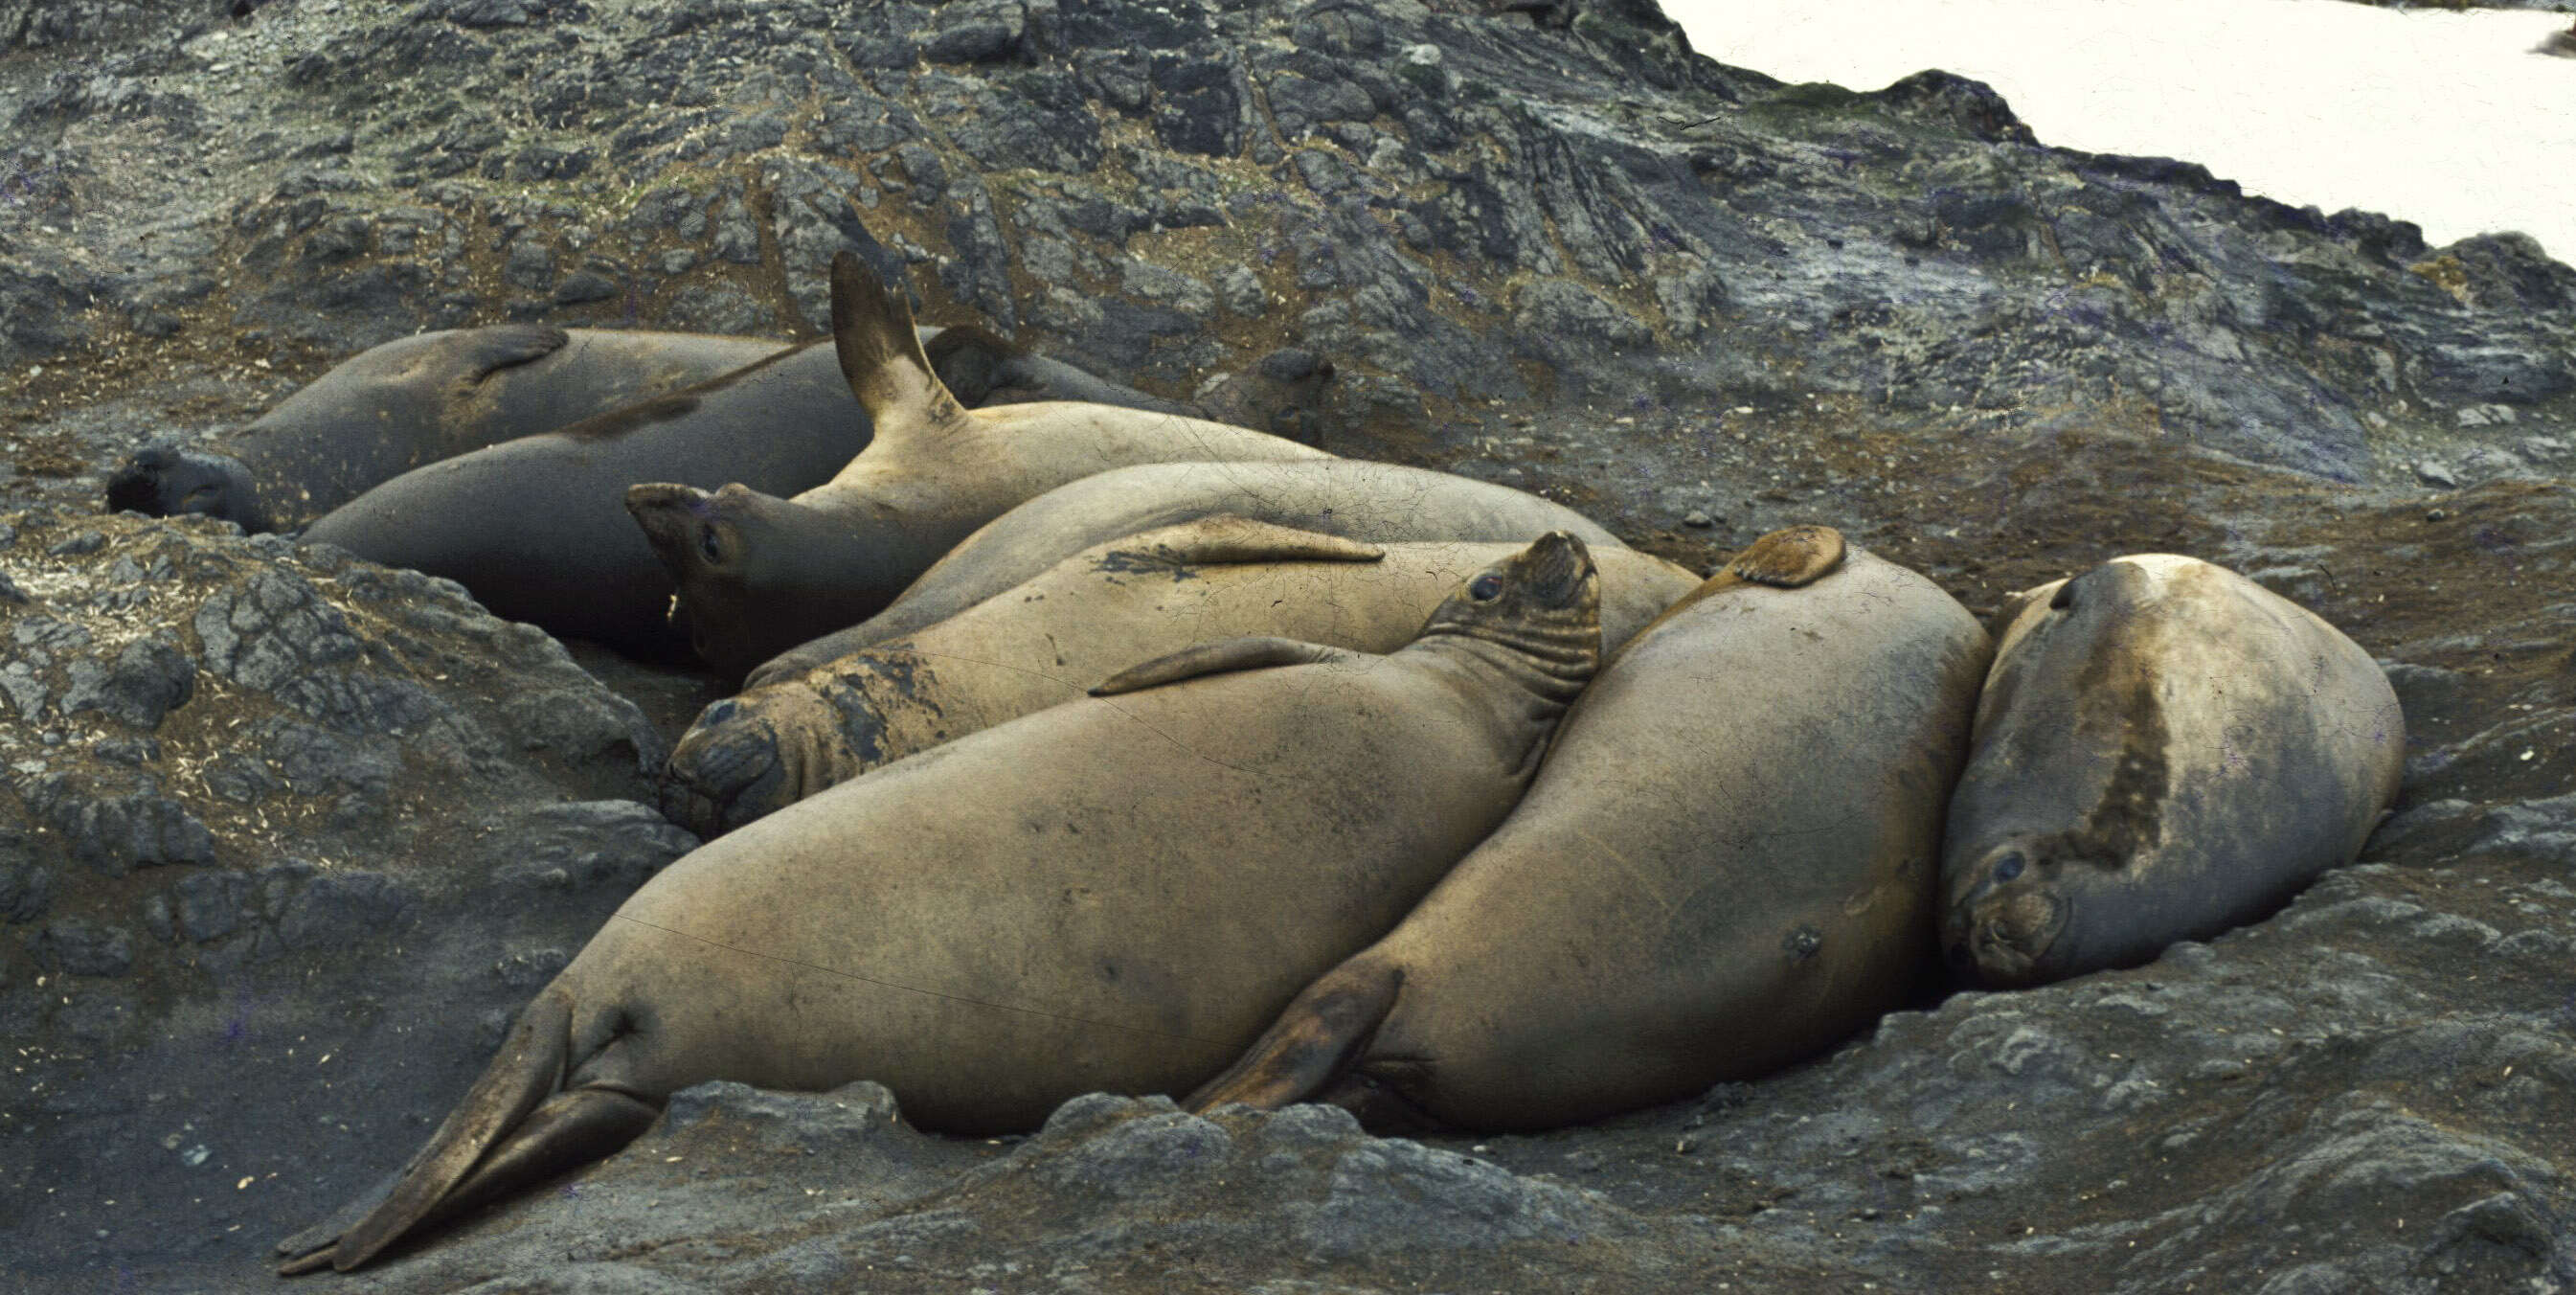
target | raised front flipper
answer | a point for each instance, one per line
(1787, 559)
(1316, 1041)
(1251, 653)
(1784, 559)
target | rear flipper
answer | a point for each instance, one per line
(1315, 1042)
(499, 1139)
(325, 1234)
(570, 1130)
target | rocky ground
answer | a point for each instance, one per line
(285, 839)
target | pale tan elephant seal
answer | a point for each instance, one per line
(1726, 863)
(1112, 894)
(759, 574)
(2165, 749)
(1042, 643)
(1378, 503)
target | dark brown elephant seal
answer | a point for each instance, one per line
(2165, 749)
(759, 574)
(1727, 862)
(1041, 643)
(1287, 394)
(1145, 876)
(1353, 498)
(537, 528)
(983, 369)
(413, 401)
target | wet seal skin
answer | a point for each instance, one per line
(2164, 749)
(759, 573)
(1725, 864)
(1193, 842)
(414, 401)
(1042, 642)
(1378, 503)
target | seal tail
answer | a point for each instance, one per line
(514, 1127)
(881, 355)
(1317, 1040)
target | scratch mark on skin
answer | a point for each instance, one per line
(1645, 882)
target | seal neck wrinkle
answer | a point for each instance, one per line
(1525, 677)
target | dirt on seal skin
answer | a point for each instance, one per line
(285, 839)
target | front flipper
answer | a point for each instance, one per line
(1254, 653)
(1315, 1042)
(1788, 559)
(1232, 537)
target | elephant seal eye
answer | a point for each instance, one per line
(2065, 597)
(709, 545)
(2009, 868)
(1486, 588)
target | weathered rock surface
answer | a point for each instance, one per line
(1445, 203)
(230, 767)
(285, 839)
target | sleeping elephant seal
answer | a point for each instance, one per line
(759, 574)
(1379, 503)
(983, 369)
(1287, 393)
(2165, 749)
(1145, 878)
(535, 528)
(1039, 644)
(1726, 863)
(412, 401)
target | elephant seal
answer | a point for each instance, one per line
(1036, 645)
(759, 574)
(1287, 394)
(983, 369)
(1352, 498)
(412, 401)
(1726, 863)
(1146, 876)
(537, 528)
(2165, 749)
